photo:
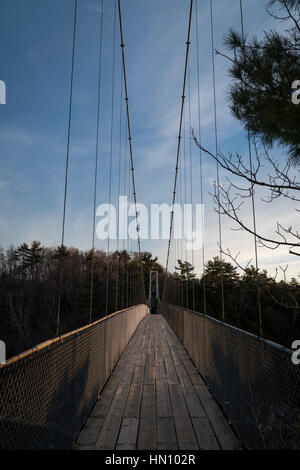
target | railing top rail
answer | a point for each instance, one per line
(61, 338)
(265, 341)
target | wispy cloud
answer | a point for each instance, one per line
(94, 8)
(18, 137)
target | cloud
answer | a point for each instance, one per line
(94, 8)
(17, 136)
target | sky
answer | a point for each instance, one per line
(36, 48)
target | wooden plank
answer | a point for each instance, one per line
(138, 376)
(132, 409)
(147, 429)
(117, 406)
(127, 439)
(205, 435)
(163, 402)
(128, 372)
(109, 434)
(158, 354)
(147, 439)
(177, 400)
(148, 400)
(126, 357)
(184, 428)
(143, 341)
(149, 370)
(192, 400)
(170, 369)
(101, 407)
(223, 432)
(90, 432)
(193, 373)
(166, 436)
(168, 360)
(81, 447)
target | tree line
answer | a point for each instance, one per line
(32, 276)
(277, 302)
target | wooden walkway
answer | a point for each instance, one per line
(155, 399)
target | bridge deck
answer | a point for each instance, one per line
(155, 399)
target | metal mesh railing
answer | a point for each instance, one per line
(47, 393)
(254, 380)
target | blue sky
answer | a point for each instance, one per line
(36, 41)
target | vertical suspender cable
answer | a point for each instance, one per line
(174, 279)
(191, 184)
(96, 163)
(185, 199)
(200, 158)
(128, 240)
(177, 256)
(130, 147)
(130, 243)
(110, 156)
(179, 139)
(217, 151)
(119, 187)
(67, 165)
(181, 240)
(252, 192)
(125, 263)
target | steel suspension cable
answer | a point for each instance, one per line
(185, 200)
(217, 151)
(200, 158)
(179, 136)
(128, 124)
(125, 263)
(111, 153)
(180, 202)
(128, 240)
(96, 161)
(191, 182)
(67, 163)
(252, 191)
(174, 279)
(119, 188)
(130, 243)
(130, 145)
(250, 154)
(177, 242)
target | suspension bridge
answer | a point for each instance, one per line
(156, 372)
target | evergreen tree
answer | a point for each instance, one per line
(264, 72)
(186, 270)
(22, 254)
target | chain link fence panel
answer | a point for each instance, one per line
(47, 393)
(254, 380)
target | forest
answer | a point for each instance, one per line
(33, 278)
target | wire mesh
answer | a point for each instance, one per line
(253, 380)
(47, 393)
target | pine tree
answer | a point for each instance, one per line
(264, 72)
(33, 258)
(185, 270)
(22, 253)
